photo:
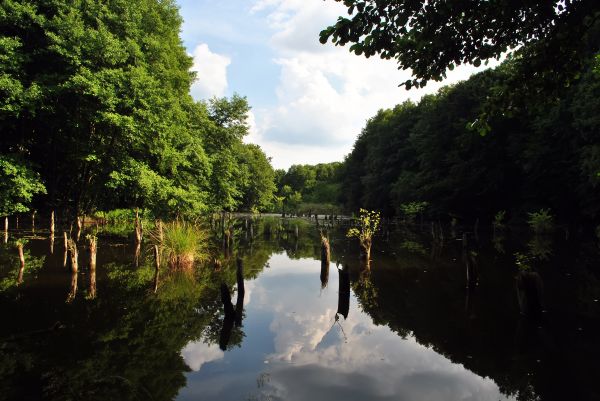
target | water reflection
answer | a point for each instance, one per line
(343, 293)
(403, 328)
(232, 315)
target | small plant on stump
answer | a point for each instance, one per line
(368, 224)
(183, 244)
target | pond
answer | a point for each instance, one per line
(291, 328)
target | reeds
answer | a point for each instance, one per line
(183, 244)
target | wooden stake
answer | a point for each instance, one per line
(22, 260)
(74, 256)
(157, 266)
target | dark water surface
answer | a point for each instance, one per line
(408, 329)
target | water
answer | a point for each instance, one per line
(407, 330)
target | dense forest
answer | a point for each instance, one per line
(542, 154)
(96, 114)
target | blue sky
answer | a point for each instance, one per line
(309, 101)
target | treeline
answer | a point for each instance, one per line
(308, 189)
(539, 153)
(96, 114)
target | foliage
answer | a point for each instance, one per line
(550, 40)
(316, 185)
(413, 209)
(368, 222)
(182, 239)
(18, 185)
(541, 221)
(542, 154)
(523, 261)
(96, 96)
(499, 219)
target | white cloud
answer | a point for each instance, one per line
(197, 353)
(211, 69)
(325, 94)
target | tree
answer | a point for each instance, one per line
(18, 185)
(259, 178)
(432, 37)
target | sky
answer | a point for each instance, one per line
(309, 101)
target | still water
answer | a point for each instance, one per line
(293, 329)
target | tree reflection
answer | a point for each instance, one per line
(232, 316)
(343, 292)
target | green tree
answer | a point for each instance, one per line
(431, 38)
(18, 185)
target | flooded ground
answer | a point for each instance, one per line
(291, 328)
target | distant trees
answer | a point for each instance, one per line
(95, 95)
(317, 185)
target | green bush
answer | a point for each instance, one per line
(541, 221)
(499, 219)
(183, 243)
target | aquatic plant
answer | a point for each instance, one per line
(541, 221)
(368, 222)
(499, 219)
(523, 261)
(413, 209)
(184, 244)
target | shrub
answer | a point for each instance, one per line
(413, 209)
(368, 224)
(541, 221)
(183, 244)
(499, 219)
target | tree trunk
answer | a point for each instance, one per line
(74, 256)
(156, 266)
(22, 260)
(52, 223)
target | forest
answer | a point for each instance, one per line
(96, 114)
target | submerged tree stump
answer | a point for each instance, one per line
(156, 266)
(138, 228)
(93, 248)
(530, 293)
(74, 256)
(22, 263)
(325, 249)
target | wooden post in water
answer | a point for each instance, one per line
(138, 228)
(79, 226)
(52, 223)
(93, 247)
(33, 221)
(22, 260)
(241, 291)
(157, 266)
(159, 229)
(74, 256)
(66, 253)
(325, 251)
(530, 293)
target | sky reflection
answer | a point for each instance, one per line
(295, 349)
